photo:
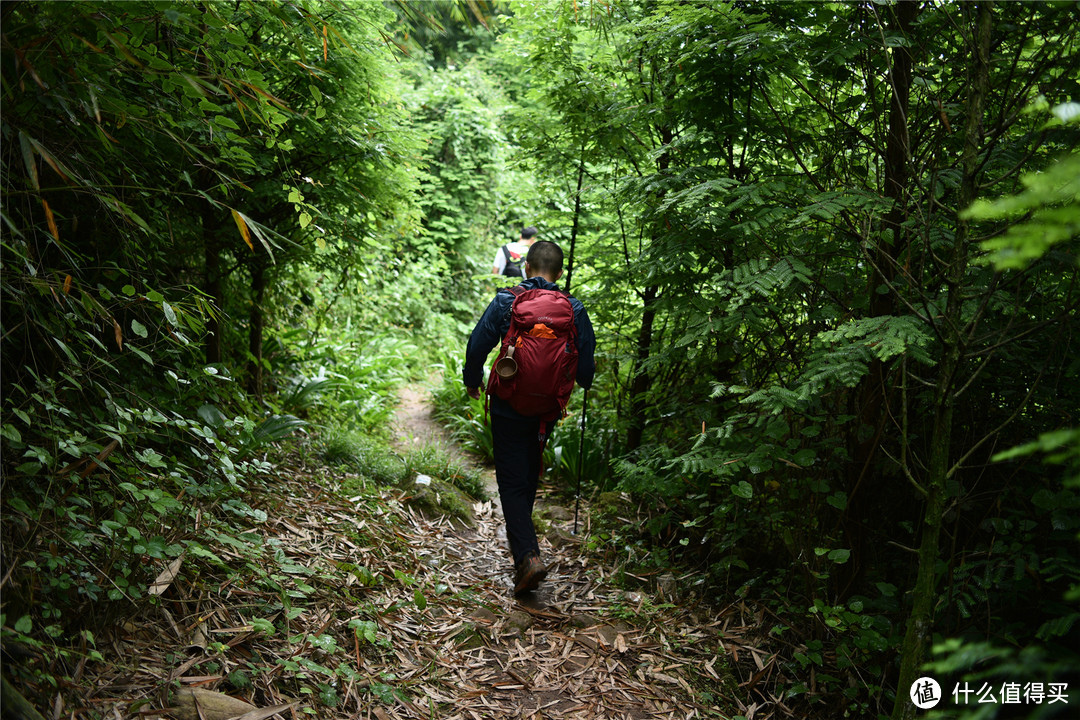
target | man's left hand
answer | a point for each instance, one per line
(474, 393)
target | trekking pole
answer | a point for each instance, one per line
(580, 457)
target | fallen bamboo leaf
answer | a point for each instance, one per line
(95, 463)
(263, 713)
(196, 703)
(164, 580)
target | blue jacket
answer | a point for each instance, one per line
(492, 327)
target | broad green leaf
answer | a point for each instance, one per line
(262, 625)
(226, 121)
(11, 432)
(839, 555)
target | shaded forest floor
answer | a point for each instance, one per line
(355, 603)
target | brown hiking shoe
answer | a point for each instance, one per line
(530, 573)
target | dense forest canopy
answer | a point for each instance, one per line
(830, 251)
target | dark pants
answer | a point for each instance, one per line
(518, 450)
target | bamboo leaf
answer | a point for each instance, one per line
(28, 160)
(141, 354)
(261, 232)
(118, 334)
(170, 314)
(242, 225)
(53, 163)
(50, 219)
(66, 349)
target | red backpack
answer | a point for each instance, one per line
(542, 340)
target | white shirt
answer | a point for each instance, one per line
(517, 250)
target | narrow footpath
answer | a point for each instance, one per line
(577, 648)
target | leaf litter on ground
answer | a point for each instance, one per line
(351, 603)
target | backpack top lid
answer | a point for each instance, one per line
(540, 306)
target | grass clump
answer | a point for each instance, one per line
(365, 455)
(436, 461)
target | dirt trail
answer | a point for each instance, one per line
(342, 606)
(556, 653)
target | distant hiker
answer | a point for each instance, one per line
(548, 335)
(511, 256)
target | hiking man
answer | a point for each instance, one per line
(519, 438)
(511, 256)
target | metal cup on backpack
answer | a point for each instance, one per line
(507, 366)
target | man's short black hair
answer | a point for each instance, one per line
(528, 232)
(545, 258)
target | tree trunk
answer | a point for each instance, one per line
(642, 381)
(920, 623)
(213, 284)
(255, 329)
(213, 280)
(874, 391)
(639, 387)
(577, 214)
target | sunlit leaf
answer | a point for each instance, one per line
(170, 314)
(50, 219)
(47, 157)
(244, 232)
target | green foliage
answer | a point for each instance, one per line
(568, 457)
(1059, 447)
(1045, 215)
(223, 230)
(434, 460)
(464, 417)
(163, 162)
(371, 458)
(777, 304)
